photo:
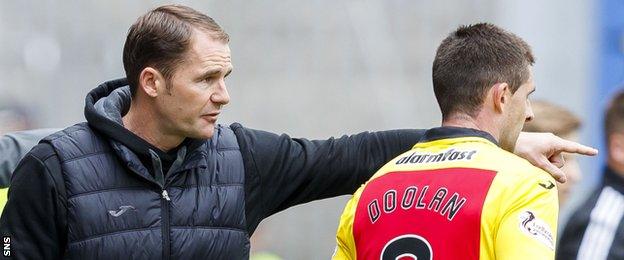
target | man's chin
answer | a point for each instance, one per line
(205, 134)
(508, 144)
(507, 141)
(202, 133)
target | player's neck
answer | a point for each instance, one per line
(467, 121)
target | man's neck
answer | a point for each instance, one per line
(143, 123)
(466, 121)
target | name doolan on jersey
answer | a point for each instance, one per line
(448, 155)
(410, 199)
(414, 197)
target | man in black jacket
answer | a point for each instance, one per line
(150, 175)
(596, 229)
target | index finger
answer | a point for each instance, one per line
(553, 170)
(574, 147)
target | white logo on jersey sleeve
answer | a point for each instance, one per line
(536, 229)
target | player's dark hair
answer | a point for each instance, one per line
(161, 38)
(472, 59)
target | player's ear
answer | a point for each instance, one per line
(500, 95)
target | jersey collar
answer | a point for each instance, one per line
(447, 132)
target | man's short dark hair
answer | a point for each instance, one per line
(614, 119)
(471, 60)
(161, 38)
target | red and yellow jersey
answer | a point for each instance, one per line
(455, 195)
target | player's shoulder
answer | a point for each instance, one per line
(512, 163)
(515, 168)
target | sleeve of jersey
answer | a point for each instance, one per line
(345, 243)
(528, 226)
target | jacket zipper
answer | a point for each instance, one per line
(166, 232)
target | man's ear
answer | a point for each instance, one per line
(151, 81)
(500, 94)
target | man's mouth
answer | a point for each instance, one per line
(212, 117)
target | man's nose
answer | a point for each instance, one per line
(221, 96)
(529, 113)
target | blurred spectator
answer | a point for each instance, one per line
(14, 141)
(13, 146)
(595, 230)
(14, 117)
(554, 119)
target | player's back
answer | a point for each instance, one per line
(455, 195)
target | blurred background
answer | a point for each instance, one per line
(315, 69)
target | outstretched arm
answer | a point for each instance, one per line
(291, 171)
